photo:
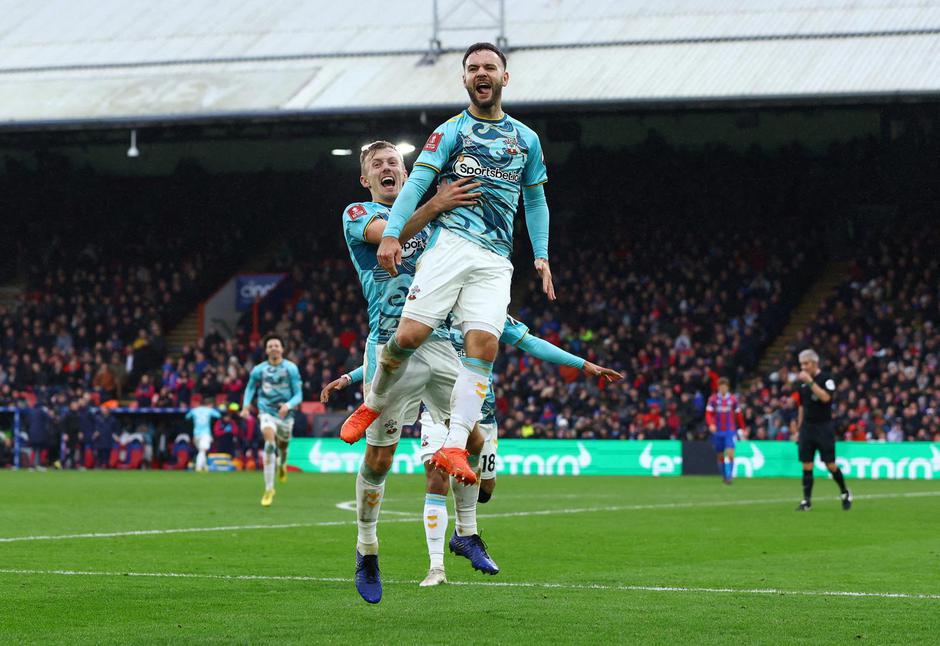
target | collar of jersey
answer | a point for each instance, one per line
(482, 120)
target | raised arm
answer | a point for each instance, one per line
(449, 196)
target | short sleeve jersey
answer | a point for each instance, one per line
(275, 385)
(385, 294)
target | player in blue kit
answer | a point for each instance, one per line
(466, 540)
(466, 269)
(201, 417)
(429, 377)
(277, 384)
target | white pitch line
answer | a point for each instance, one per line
(417, 518)
(490, 584)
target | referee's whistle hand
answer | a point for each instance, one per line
(389, 255)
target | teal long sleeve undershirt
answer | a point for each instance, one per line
(542, 349)
(536, 219)
(533, 197)
(407, 201)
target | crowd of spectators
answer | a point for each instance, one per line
(681, 275)
(878, 335)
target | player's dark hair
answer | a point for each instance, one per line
(477, 47)
(273, 336)
(371, 149)
(724, 381)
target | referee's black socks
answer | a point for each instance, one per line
(837, 476)
(808, 484)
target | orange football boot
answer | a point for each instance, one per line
(356, 424)
(454, 461)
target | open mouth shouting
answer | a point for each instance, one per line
(483, 90)
(387, 182)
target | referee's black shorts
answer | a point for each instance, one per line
(817, 436)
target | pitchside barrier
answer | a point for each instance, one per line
(759, 459)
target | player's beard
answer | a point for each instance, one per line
(496, 96)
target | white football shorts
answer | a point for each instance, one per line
(459, 276)
(429, 377)
(283, 428)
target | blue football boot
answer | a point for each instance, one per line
(368, 580)
(473, 548)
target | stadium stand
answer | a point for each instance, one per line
(719, 243)
(879, 335)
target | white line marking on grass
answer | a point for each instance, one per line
(409, 518)
(488, 584)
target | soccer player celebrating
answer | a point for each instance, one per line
(815, 423)
(466, 269)
(431, 373)
(279, 394)
(724, 418)
(466, 540)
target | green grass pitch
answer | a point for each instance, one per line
(584, 560)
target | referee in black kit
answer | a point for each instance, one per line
(816, 433)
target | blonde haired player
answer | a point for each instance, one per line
(466, 540)
(430, 374)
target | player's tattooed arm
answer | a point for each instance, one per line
(389, 254)
(342, 382)
(449, 196)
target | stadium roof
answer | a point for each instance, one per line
(74, 60)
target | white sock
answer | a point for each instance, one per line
(369, 496)
(435, 527)
(466, 403)
(269, 459)
(282, 457)
(200, 460)
(392, 363)
(465, 506)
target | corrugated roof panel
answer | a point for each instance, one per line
(110, 32)
(320, 24)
